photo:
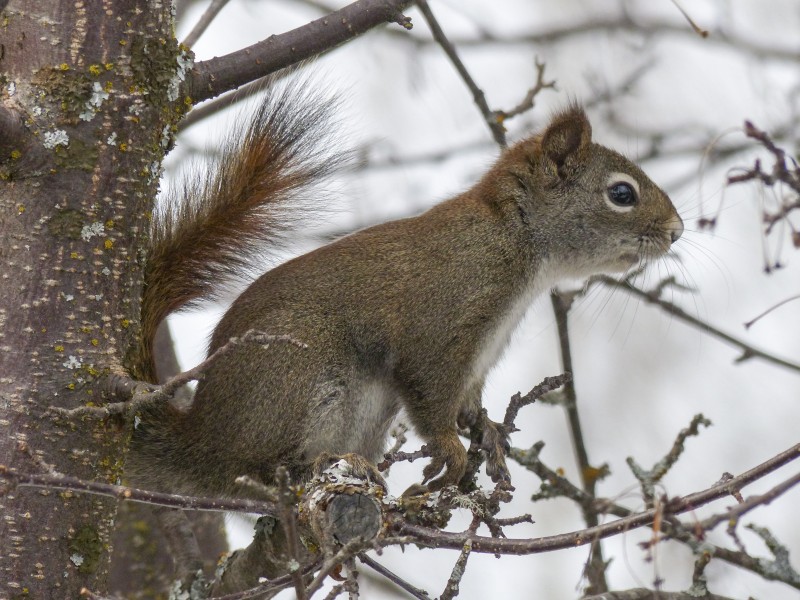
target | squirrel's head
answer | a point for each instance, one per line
(597, 210)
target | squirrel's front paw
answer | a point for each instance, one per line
(446, 452)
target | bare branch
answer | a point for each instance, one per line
(754, 320)
(65, 482)
(517, 402)
(347, 551)
(555, 485)
(142, 393)
(645, 594)
(781, 568)
(492, 119)
(392, 457)
(748, 351)
(590, 475)
(442, 539)
(703, 33)
(221, 74)
(733, 513)
(649, 478)
(200, 27)
(197, 114)
(393, 577)
(527, 102)
(451, 589)
(614, 25)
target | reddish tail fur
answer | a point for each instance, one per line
(250, 198)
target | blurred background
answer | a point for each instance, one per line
(661, 94)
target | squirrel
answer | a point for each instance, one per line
(411, 313)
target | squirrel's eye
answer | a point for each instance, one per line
(622, 194)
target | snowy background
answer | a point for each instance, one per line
(641, 375)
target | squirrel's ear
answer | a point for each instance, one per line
(567, 137)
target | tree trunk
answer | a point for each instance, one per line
(87, 109)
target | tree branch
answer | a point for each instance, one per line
(654, 297)
(200, 27)
(555, 486)
(393, 577)
(645, 594)
(443, 539)
(595, 569)
(220, 74)
(140, 393)
(64, 482)
(626, 24)
(490, 117)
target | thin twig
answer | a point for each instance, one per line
(347, 551)
(616, 25)
(335, 592)
(560, 485)
(490, 117)
(754, 320)
(390, 458)
(517, 401)
(750, 503)
(703, 33)
(451, 589)
(288, 520)
(649, 477)
(65, 482)
(674, 506)
(672, 529)
(201, 25)
(596, 566)
(528, 101)
(748, 351)
(393, 577)
(143, 393)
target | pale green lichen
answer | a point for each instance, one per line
(72, 362)
(55, 138)
(96, 99)
(92, 230)
(185, 62)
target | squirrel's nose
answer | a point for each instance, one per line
(675, 227)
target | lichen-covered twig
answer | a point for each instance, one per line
(139, 393)
(648, 478)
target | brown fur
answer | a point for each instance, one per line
(410, 313)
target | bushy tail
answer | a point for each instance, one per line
(251, 197)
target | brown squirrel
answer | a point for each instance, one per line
(411, 313)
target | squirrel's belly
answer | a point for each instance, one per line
(353, 418)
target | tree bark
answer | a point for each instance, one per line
(87, 107)
(141, 565)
